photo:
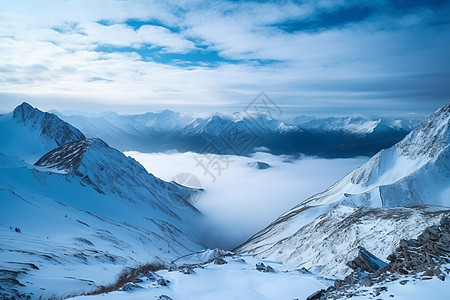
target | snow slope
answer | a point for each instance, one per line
(237, 279)
(413, 172)
(81, 214)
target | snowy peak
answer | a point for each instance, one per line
(23, 112)
(47, 124)
(430, 138)
(355, 125)
(420, 147)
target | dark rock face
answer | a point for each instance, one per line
(219, 261)
(263, 268)
(366, 261)
(316, 295)
(420, 258)
(67, 157)
(48, 124)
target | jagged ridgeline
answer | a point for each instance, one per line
(168, 130)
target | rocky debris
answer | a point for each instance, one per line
(164, 297)
(366, 261)
(219, 261)
(316, 295)
(130, 286)
(187, 269)
(162, 282)
(263, 268)
(420, 258)
(426, 253)
(240, 260)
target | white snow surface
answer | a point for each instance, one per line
(238, 279)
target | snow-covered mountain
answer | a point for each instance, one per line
(167, 130)
(82, 213)
(356, 125)
(320, 231)
(29, 133)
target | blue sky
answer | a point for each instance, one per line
(311, 57)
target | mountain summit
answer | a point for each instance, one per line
(28, 133)
(50, 126)
(83, 212)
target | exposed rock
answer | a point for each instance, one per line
(162, 282)
(219, 261)
(130, 286)
(259, 165)
(420, 258)
(188, 269)
(263, 268)
(316, 295)
(367, 262)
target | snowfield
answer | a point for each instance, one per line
(238, 279)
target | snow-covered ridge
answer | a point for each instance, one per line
(28, 133)
(413, 172)
(78, 227)
(48, 124)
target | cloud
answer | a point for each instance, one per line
(257, 197)
(302, 54)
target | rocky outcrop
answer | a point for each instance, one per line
(421, 258)
(366, 261)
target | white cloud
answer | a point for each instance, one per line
(350, 64)
(257, 197)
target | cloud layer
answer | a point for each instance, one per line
(307, 55)
(243, 200)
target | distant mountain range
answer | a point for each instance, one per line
(241, 135)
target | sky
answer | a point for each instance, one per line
(310, 57)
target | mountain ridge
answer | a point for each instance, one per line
(82, 213)
(413, 172)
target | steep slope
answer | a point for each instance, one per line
(413, 172)
(29, 133)
(81, 214)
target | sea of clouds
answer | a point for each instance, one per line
(243, 200)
